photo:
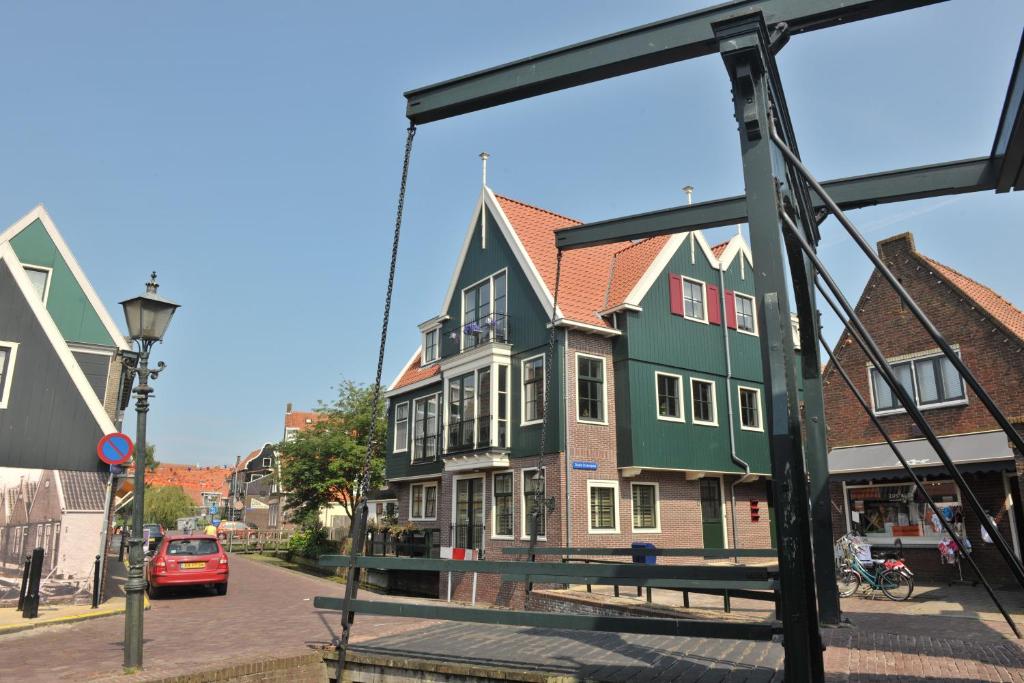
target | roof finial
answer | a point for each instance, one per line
(484, 156)
(152, 285)
(689, 194)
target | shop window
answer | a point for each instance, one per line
(884, 512)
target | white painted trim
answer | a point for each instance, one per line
(490, 306)
(657, 507)
(737, 245)
(1010, 513)
(603, 484)
(680, 400)
(394, 428)
(704, 297)
(437, 501)
(89, 396)
(405, 369)
(423, 346)
(714, 402)
(524, 530)
(687, 471)
(522, 388)
(735, 312)
(586, 327)
(494, 507)
(40, 213)
(604, 388)
(912, 358)
(739, 408)
(416, 477)
(654, 271)
(439, 424)
(8, 372)
(483, 507)
(466, 241)
(81, 348)
(436, 321)
(49, 277)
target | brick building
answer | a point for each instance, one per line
(870, 490)
(654, 431)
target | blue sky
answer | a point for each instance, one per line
(250, 153)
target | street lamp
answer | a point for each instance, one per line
(148, 316)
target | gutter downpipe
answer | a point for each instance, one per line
(728, 393)
(568, 459)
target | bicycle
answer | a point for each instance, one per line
(890, 574)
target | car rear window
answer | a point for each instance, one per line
(192, 546)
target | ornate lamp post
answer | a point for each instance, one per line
(148, 316)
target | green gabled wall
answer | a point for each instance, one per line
(67, 304)
(400, 464)
(656, 340)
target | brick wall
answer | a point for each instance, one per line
(113, 386)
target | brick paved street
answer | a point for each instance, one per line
(268, 613)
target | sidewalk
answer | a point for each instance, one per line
(11, 620)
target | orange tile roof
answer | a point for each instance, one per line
(415, 373)
(629, 265)
(192, 479)
(1001, 310)
(298, 419)
(719, 249)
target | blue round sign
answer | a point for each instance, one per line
(115, 449)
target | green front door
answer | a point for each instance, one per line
(711, 512)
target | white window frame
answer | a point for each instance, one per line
(739, 408)
(394, 435)
(704, 297)
(523, 422)
(524, 527)
(681, 399)
(7, 378)
(753, 311)
(424, 361)
(604, 388)
(49, 278)
(604, 484)
(656, 529)
(494, 508)
(266, 462)
(714, 402)
(462, 304)
(439, 423)
(912, 358)
(412, 498)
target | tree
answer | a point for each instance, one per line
(151, 461)
(324, 463)
(165, 504)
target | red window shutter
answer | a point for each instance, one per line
(675, 294)
(730, 309)
(714, 306)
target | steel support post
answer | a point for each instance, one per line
(745, 51)
(136, 583)
(348, 616)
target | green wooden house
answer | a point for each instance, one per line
(655, 424)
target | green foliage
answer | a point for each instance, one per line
(324, 463)
(151, 461)
(165, 504)
(311, 540)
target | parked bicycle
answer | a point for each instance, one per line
(858, 570)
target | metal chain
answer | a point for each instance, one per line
(374, 445)
(538, 494)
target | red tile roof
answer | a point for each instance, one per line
(192, 479)
(719, 249)
(414, 373)
(302, 419)
(1001, 310)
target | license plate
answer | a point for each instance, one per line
(193, 565)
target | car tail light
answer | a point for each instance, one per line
(223, 560)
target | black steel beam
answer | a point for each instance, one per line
(1009, 142)
(663, 42)
(919, 182)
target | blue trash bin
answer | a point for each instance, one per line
(644, 559)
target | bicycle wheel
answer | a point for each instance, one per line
(896, 585)
(848, 582)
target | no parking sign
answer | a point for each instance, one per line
(115, 449)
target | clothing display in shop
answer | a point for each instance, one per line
(948, 549)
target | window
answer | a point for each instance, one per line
(40, 279)
(590, 390)
(423, 502)
(401, 427)
(750, 409)
(483, 422)
(266, 462)
(670, 396)
(604, 515)
(503, 513)
(702, 396)
(533, 390)
(531, 485)
(425, 428)
(693, 300)
(745, 320)
(931, 381)
(431, 346)
(8, 354)
(645, 507)
(192, 546)
(484, 309)
(502, 406)
(461, 411)
(884, 512)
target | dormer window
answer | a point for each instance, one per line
(431, 345)
(484, 309)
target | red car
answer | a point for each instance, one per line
(188, 560)
(238, 531)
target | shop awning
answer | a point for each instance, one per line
(967, 450)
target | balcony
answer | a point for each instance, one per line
(478, 332)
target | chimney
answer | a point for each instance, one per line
(484, 156)
(287, 408)
(689, 194)
(891, 246)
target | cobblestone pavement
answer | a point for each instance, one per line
(268, 612)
